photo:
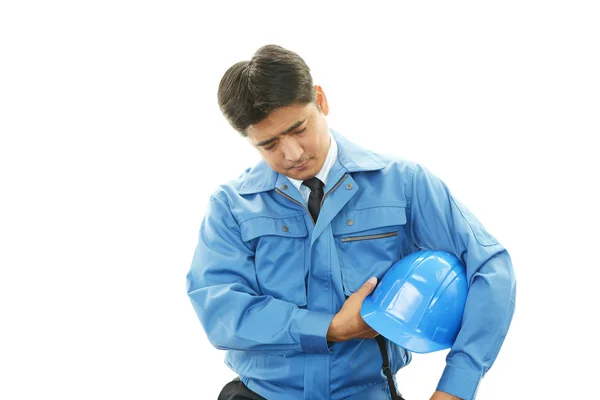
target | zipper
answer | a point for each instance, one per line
(323, 199)
(297, 202)
(333, 188)
(369, 237)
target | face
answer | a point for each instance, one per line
(294, 140)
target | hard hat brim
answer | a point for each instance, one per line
(396, 331)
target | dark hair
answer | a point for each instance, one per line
(274, 77)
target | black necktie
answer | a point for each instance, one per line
(316, 195)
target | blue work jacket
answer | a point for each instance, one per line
(266, 281)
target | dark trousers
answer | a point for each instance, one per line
(236, 390)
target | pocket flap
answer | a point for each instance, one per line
(263, 226)
(369, 218)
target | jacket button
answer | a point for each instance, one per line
(349, 186)
(285, 228)
(283, 187)
(350, 222)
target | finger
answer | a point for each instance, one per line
(367, 331)
(367, 287)
(368, 335)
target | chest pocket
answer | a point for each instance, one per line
(280, 246)
(368, 242)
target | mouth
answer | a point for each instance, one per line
(302, 165)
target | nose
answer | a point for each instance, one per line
(292, 150)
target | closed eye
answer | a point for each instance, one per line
(274, 143)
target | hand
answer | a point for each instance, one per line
(348, 324)
(443, 396)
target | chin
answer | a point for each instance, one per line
(302, 175)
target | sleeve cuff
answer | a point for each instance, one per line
(313, 332)
(459, 382)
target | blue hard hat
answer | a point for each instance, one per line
(419, 302)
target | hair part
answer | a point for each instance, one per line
(250, 90)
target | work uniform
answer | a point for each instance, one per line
(266, 280)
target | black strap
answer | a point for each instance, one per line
(386, 368)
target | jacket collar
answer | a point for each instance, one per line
(352, 158)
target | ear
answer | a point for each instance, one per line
(322, 100)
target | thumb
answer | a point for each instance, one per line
(367, 287)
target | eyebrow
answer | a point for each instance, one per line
(288, 130)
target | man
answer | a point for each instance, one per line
(288, 251)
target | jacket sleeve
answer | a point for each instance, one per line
(224, 292)
(441, 222)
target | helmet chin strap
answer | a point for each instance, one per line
(386, 368)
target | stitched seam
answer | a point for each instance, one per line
(471, 228)
(273, 217)
(226, 204)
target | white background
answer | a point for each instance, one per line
(111, 142)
